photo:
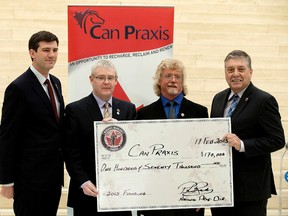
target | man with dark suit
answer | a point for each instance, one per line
(170, 86)
(80, 146)
(256, 132)
(31, 163)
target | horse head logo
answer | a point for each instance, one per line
(89, 16)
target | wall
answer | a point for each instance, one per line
(205, 31)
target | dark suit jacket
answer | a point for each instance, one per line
(188, 109)
(30, 138)
(257, 122)
(155, 110)
(79, 147)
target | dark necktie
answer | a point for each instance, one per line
(52, 99)
(233, 105)
(171, 113)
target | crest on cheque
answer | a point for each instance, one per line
(113, 138)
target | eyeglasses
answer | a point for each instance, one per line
(103, 78)
(170, 76)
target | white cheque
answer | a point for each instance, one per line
(163, 164)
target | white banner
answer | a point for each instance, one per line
(163, 164)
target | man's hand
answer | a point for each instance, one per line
(109, 120)
(233, 141)
(7, 191)
(89, 189)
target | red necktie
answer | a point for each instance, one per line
(52, 98)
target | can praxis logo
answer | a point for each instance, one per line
(93, 24)
(113, 138)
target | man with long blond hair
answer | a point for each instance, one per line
(170, 86)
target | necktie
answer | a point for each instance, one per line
(106, 110)
(171, 113)
(233, 105)
(52, 99)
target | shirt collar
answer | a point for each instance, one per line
(178, 99)
(239, 94)
(39, 76)
(101, 102)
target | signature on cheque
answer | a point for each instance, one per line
(195, 191)
(192, 188)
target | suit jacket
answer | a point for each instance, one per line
(79, 147)
(30, 137)
(188, 109)
(155, 110)
(257, 122)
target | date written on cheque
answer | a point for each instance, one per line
(212, 154)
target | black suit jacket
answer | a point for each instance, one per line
(155, 110)
(257, 122)
(30, 138)
(79, 148)
(188, 109)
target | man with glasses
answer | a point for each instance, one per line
(79, 150)
(170, 86)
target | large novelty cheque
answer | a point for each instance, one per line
(161, 164)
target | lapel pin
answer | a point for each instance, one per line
(182, 114)
(246, 99)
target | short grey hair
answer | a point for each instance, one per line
(238, 54)
(103, 64)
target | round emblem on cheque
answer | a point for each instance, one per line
(113, 138)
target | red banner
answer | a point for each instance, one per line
(134, 38)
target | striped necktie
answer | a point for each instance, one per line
(106, 110)
(233, 105)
